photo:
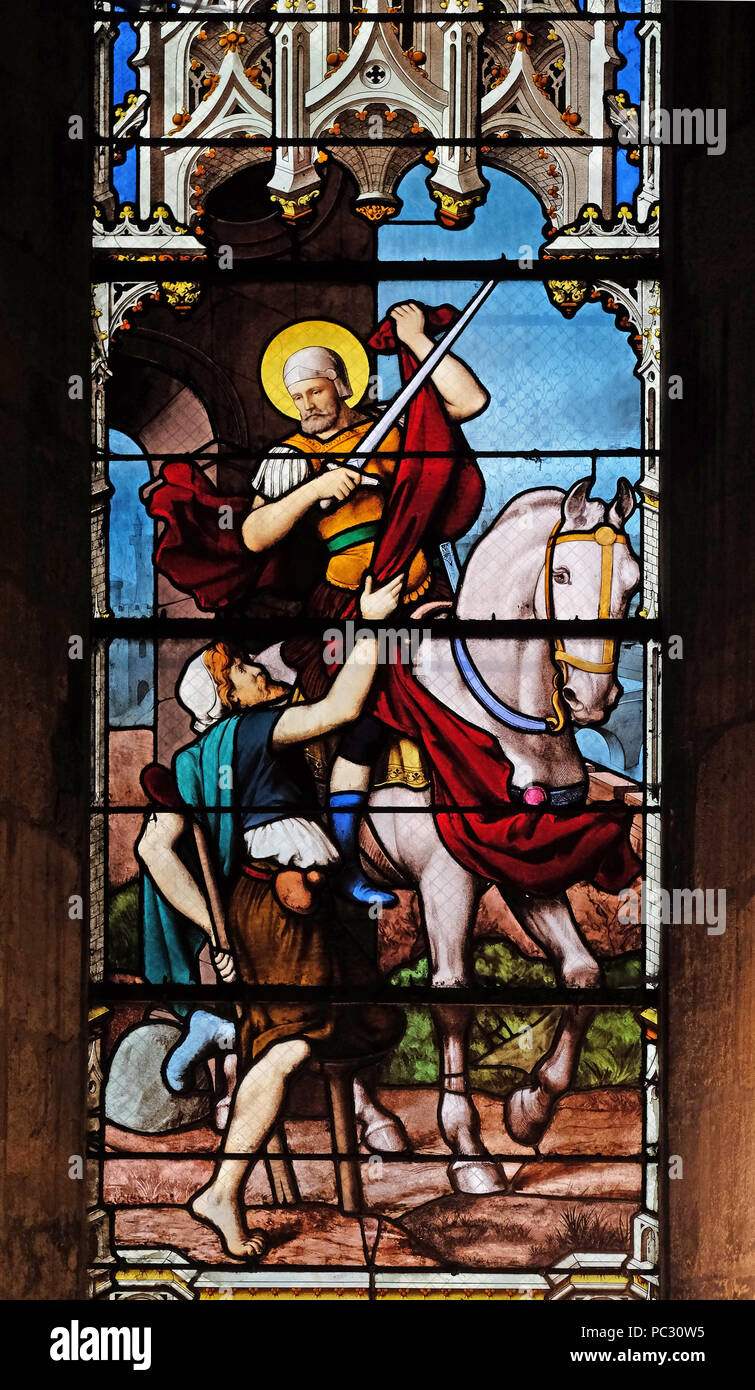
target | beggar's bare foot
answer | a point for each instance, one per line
(224, 1215)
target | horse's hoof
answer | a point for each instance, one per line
(585, 975)
(476, 1177)
(527, 1113)
(386, 1136)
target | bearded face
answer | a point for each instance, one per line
(318, 404)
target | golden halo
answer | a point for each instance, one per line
(312, 333)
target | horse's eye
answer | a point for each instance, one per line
(561, 577)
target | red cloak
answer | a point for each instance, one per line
(436, 495)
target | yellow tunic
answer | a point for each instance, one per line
(350, 530)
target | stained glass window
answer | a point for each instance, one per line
(376, 777)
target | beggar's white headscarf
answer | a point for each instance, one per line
(197, 691)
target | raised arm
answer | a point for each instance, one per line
(463, 395)
(345, 699)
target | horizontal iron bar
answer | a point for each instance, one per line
(259, 270)
(504, 810)
(326, 141)
(96, 1151)
(621, 629)
(478, 995)
(233, 453)
(487, 9)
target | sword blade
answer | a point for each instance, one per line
(381, 428)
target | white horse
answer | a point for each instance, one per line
(548, 554)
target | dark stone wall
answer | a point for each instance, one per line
(216, 350)
(709, 563)
(44, 569)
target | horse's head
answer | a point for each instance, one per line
(590, 571)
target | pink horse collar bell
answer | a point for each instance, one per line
(534, 795)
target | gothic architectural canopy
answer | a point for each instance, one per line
(473, 88)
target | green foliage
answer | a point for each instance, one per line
(414, 1062)
(499, 963)
(612, 1050)
(124, 929)
(623, 972)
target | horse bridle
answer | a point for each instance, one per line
(606, 537)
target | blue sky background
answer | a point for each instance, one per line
(124, 80)
(628, 80)
(554, 383)
(127, 514)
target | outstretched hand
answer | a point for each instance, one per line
(376, 604)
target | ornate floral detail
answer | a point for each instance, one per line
(376, 211)
(158, 239)
(231, 41)
(453, 211)
(181, 295)
(498, 74)
(335, 60)
(294, 209)
(567, 295)
(521, 38)
(131, 101)
(416, 57)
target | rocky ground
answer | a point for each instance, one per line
(577, 1192)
